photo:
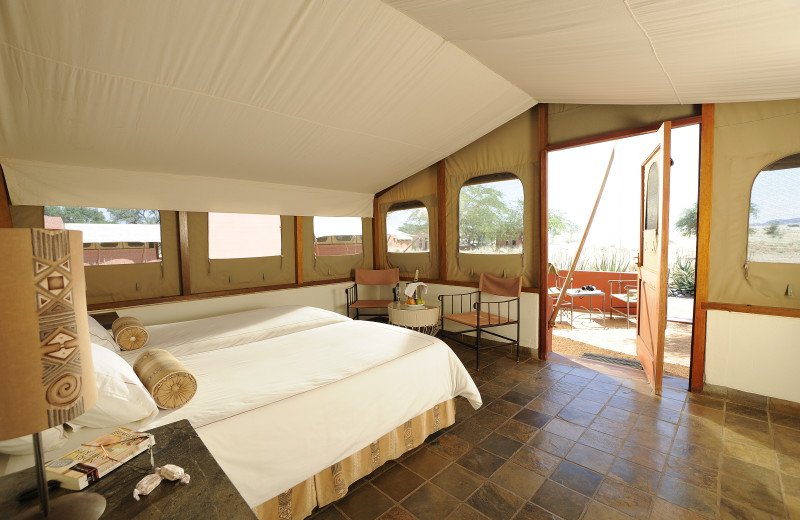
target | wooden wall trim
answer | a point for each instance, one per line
(545, 344)
(183, 243)
(5, 203)
(377, 243)
(441, 221)
(698, 355)
(298, 250)
(209, 295)
(751, 309)
(621, 134)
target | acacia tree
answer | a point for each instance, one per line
(558, 223)
(416, 222)
(76, 215)
(485, 217)
(134, 216)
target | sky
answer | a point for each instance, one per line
(575, 175)
(776, 195)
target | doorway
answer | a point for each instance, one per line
(608, 259)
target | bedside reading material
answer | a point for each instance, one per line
(91, 461)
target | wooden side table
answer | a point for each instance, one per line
(209, 494)
(425, 320)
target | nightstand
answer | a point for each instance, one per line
(209, 494)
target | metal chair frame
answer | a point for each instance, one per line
(627, 291)
(474, 302)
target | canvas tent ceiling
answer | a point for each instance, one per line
(305, 108)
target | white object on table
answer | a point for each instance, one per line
(423, 319)
(411, 289)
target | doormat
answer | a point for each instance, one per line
(630, 363)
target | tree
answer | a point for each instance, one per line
(687, 222)
(484, 217)
(76, 215)
(558, 223)
(134, 216)
(774, 230)
(416, 222)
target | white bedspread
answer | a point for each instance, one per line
(229, 330)
(297, 404)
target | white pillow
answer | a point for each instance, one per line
(100, 336)
(52, 439)
(121, 398)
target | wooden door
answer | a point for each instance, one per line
(653, 264)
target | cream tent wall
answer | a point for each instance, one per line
(748, 137)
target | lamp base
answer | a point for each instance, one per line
(78, 506)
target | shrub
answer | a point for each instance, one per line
(682, 275)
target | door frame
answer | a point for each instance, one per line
(706, 122)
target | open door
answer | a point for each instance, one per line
(653, 261)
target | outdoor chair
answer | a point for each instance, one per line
(627, 292)
(470, 310)
(553, 292)
(372, 277)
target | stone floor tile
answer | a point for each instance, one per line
(595, 394)
(642, 456)
(697, 454)
(492, 389)
(700, 437)
(598, 511)
(695, 499)
(516, 430)
(663, 510)
(652, 441)
(789, 421)
(397, 482)
(646, 423)
(576, 416)
(585, 405)
(495, 502)
(633, 394)
(628, 500)
(746, 471)
(556, 397)
(756, 494)
(560, 500)
(500, 445)
(531, 511)
(466, 512)
(430, 503)
(520, 481)
(489, 419)
(618, 415)
(536, 460)
(531, 417)
(565, 429)
(504, 407)
(544, 406)
(364, 503)
(458, 481)
(634, 407)
(634, 475)
(517, 398)
(611, 427)
(577, 478)
(471, 432)
(327, 513)
(425, 463)
(759, 414)
(449, 446)
(601, 441)
(552, 443)
(567, 388)
(481, 462)
(752, 454)
(683, 469)
(791, 485)
(397, 513)
(591, 458)
(747, 398)
(730, 510)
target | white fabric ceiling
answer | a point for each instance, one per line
(311, 107)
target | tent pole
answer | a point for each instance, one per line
(568, 280)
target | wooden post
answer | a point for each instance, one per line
(441, 213)
(545, 330)
(697, 365)
(183, 243)
(298, 250)
(5, 205)
(568, 280)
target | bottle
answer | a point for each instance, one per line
(416, 275)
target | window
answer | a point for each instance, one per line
(239, 235)
(111, 236)
(774, 228)
(490, 215)
(334, 236)
(407, 229)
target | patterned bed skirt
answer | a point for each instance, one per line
(331, 484)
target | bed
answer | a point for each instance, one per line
(360, 392)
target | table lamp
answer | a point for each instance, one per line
(46, 375)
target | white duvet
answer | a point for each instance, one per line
(275, 412)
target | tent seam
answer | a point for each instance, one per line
(212, 96)
(653, 49)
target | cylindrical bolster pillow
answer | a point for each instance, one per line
(167, 379)
(129, 333)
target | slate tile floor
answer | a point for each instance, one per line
(572, 439)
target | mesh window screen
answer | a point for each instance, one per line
(773, 233)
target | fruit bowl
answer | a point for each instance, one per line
(414, 306)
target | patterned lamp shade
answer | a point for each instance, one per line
(46, 373)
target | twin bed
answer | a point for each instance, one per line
(296, 403)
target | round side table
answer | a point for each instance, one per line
(425, 320)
